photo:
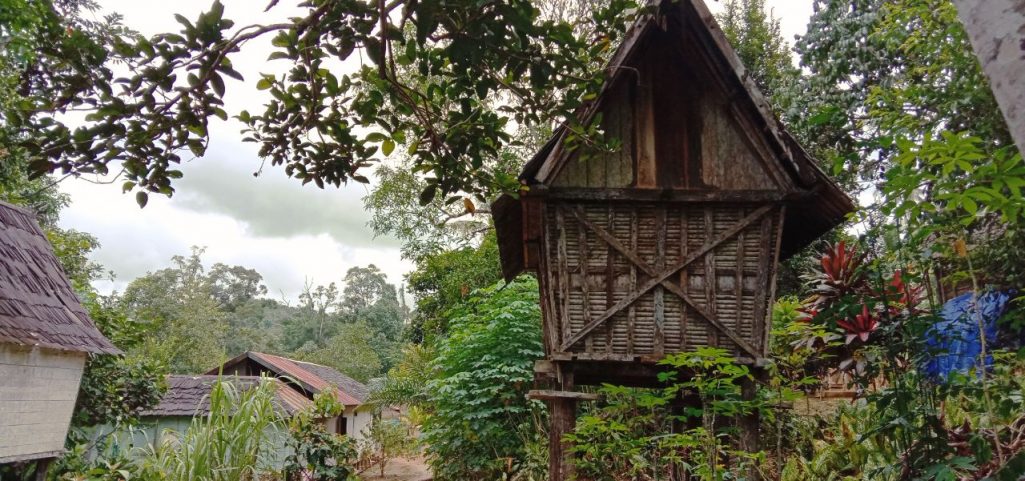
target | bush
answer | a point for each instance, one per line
(389, 438)
(632, 436)
(226, 445)
(482, 422)
(318, 455)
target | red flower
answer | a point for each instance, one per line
(862, 325)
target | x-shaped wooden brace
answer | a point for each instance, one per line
(661, 278)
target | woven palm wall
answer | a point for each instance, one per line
(601, 256)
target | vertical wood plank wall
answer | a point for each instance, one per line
(38, 388)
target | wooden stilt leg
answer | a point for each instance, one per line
(750, 423)
(677, 473)
(42, 467)
(564, 417)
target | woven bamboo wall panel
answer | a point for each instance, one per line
(599, 258)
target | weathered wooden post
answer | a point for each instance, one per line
(670, 242)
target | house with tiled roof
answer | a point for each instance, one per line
(295, 385)
(45, 337)
(310, 379)
(188, 397)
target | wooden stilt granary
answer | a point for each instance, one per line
(672, 241)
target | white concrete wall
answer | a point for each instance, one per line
(38, 388)
(359, 421)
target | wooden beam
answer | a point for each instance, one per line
(563, 417)
(684, 280)
(544, 366)
(659, 294)
(658, 279)
(711, 279)
(610, 279)
(583, 259)
(772, 280)
(550, 395)
(631, 312)
(666, 195)
(564, 284)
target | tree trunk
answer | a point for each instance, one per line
(996, 29)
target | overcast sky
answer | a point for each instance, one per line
(289, 233)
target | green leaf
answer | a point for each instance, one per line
(428, 194)
(141, 198)
(387, 147)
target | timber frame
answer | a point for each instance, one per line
(669, 242)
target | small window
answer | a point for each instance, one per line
(341, 428)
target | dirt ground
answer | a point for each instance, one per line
(399, 469)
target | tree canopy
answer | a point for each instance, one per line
(450, 82)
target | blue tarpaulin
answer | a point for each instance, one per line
(954, 340)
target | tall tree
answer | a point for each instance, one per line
(450, 81)
(187, 327)
(754, 32)
(314, 320)
(997, 32)
(350, 351)
(444, 280)
(233, 286)
(364, 286)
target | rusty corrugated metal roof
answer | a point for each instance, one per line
(313, 377)
(290, 368)
(38, 306)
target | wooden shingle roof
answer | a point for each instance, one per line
(38, 306)
(190, 395)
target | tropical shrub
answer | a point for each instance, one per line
(482, 422)
(318, 455)
(645, 434)
(229, 444)
(387, 439)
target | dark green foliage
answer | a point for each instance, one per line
(631, 435)
(755, 35)
(444, 280)
(429, 73)
(481, 419)
(318, 455)
(115, 388)
(186, 326)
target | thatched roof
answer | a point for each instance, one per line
(38, 306)
(190, 395)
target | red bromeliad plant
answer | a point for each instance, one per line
(901, 295)
(861, 327)
(841, 274)
(843, 299)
